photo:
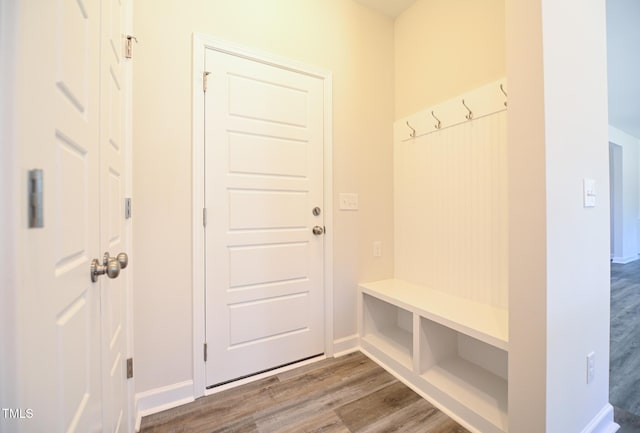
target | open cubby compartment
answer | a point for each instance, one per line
(388, 329)
(464, 373)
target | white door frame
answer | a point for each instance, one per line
(9, 213)
(201, 43)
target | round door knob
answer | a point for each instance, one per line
(113, 268)
(317, 230)
(123, 259)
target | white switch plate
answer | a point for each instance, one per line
(589, 189)
(348, 201)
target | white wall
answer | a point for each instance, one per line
(627, 199)
(444, 48)
(351, 41)
(559, 251)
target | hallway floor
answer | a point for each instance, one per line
(337, 395)
(624, 368)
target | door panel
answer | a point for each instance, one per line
(264, 264)
(270, 317)
(253, 154)
(267, 209)
(56, 127)
(248, 94)
(113, 231)
(264, 161)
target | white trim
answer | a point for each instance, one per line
(602, 422)
(201, 42)
(625, 260)
(163, 398)
(9, 204)
(346, 345)
(197, 150)
(132, 407)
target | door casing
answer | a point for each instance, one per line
(202, 42)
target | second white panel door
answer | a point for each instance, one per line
(263, 178)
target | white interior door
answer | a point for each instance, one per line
(112, 218)
(58, 122)
(263, 178)
(71, 329)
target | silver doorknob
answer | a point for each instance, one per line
(123, 259)
(109, 266)
(317, 230)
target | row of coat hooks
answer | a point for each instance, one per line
(468, 116)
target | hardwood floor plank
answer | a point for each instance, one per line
(320, 422)
(373, 407)
(302, 397)
(418, 417)
(339, 395)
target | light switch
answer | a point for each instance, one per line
(589, 188)
(348, 201)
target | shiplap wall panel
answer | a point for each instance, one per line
(451, 209)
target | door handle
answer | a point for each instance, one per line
(123, 259)
(111, 266)
(317, 230)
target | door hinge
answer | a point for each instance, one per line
(128, 46)
(129, 368)
(204, 217)
(205, 352)
(35, 200)
(127, 208)
(205, 74)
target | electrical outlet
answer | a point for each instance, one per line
(591, 367)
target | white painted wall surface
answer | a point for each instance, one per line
(559, 251)
(351, 41)
(626, 238)
(445, 48)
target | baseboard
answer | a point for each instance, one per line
(346, 345)
(603, 422)
(625, 260)
(163, 398)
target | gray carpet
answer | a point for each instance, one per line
(624, 382)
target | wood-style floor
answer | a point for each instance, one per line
(338, 395)
(624, 369)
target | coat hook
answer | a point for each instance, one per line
(128, 46)
(470, 115)
(439, 124)
(505, 94)
(413, 131)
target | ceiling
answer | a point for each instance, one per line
(623, 38)
(392, 8)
